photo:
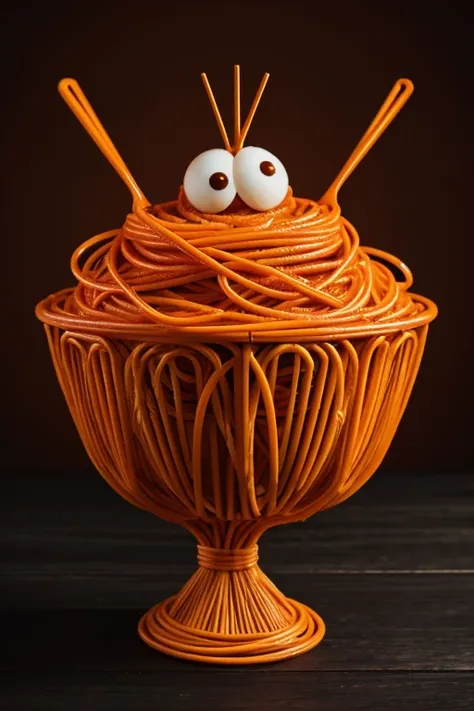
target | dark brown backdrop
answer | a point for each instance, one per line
(331, 66)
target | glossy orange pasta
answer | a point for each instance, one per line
(232, 372)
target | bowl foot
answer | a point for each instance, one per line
(231, 615)
(161, 632)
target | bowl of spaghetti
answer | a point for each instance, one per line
(235, 360)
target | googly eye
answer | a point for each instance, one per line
(209, 181)
(260, 178)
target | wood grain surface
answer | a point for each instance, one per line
(391, 572)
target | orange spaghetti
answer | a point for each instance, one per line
(231, 372)
(295, 272)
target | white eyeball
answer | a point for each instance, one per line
(209, 181)
(260, 178)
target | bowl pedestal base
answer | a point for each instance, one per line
(229, 612)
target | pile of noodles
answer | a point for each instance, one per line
(296, 272)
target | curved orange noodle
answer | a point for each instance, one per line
(231, 438)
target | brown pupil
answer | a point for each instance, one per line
(267, 168)
(218, 181)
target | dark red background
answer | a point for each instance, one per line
(331, 65)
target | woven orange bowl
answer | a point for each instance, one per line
(234, 370)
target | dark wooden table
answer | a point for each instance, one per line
(391, 572)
